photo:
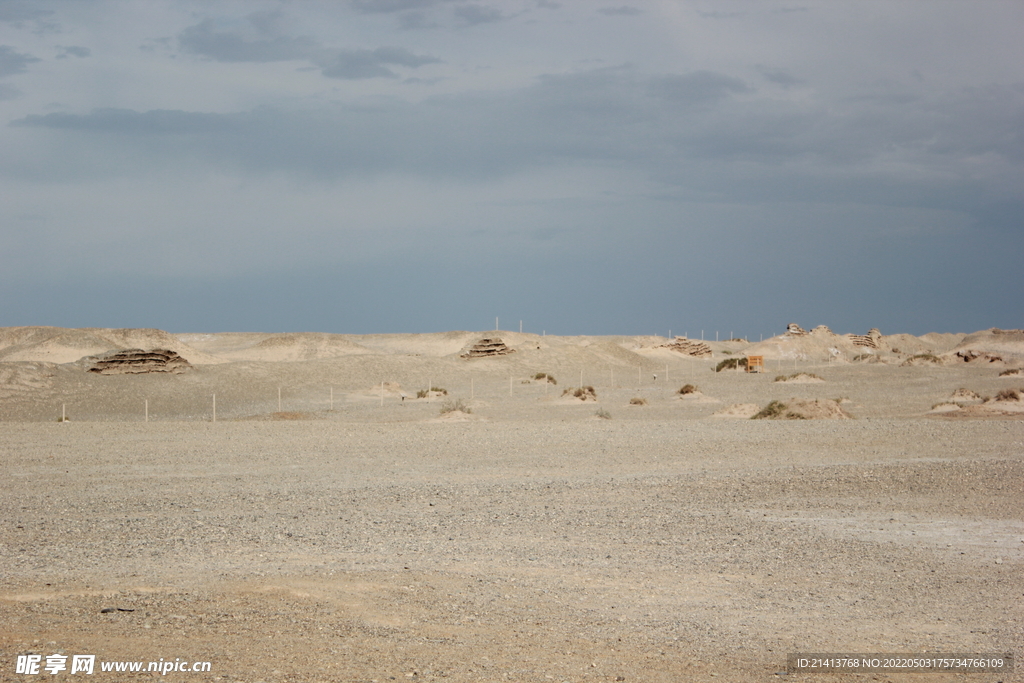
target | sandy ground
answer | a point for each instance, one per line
(533, 543)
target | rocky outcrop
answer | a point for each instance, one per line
(488, 347)
(698, 349)
(136, 362)
(871, 340)
(970, 355)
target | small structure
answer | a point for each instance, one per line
(755, 363)
(136, 362)
(488, 347)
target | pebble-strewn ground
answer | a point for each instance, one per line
(641, 548)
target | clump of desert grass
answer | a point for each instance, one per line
(457, 405)
(424, 393)
(638, 401)
(966, 394)
(772, 411)
(1010, 373)
(1008, 395)
(603, 414)
(582, 393)
(797, 375)
(731, 364)
(687, 389)
(544, 375)
(800, 409)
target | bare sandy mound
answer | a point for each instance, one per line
(434, 344)
(962, 394)
(1007, 403)
(821, 343)
(282, 415)
(1007, 400)
(801, 409)
(457, 416)
(922, 359)
(742, 411)
(297, 346)
(800, 378)
(64, 345)
(25, 378)
(994, 342)
(691, 394)
(390, 390)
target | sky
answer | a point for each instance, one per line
(584, 167)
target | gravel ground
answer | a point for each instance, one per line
(643, 548)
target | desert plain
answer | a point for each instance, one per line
(288, 509)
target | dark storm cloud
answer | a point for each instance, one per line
(701, 131)
(603, 114)
(12, 62)
(230, 46)
(128, 122)
(697, 87)
(390, 6)
(357, 64)
(624, 11)
(75, 51)
(272, 46)
(780, 77)
(415, 20)
(18, 14)
(478, 14)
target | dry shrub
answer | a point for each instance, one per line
(687, 389)
(1008, 395)
(797, 375)
(544, 375)
(637, 401)
(772, 411)
(457, 405)
(582, 393)
(603, 414)
(731, 364)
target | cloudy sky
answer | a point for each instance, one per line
(586, 167)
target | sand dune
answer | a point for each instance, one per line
(64, 345)
(276, 348)
(1008, 343)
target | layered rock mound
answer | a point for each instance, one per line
(485, 348)
(136, 362)
(698, 349)
(871, 340)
